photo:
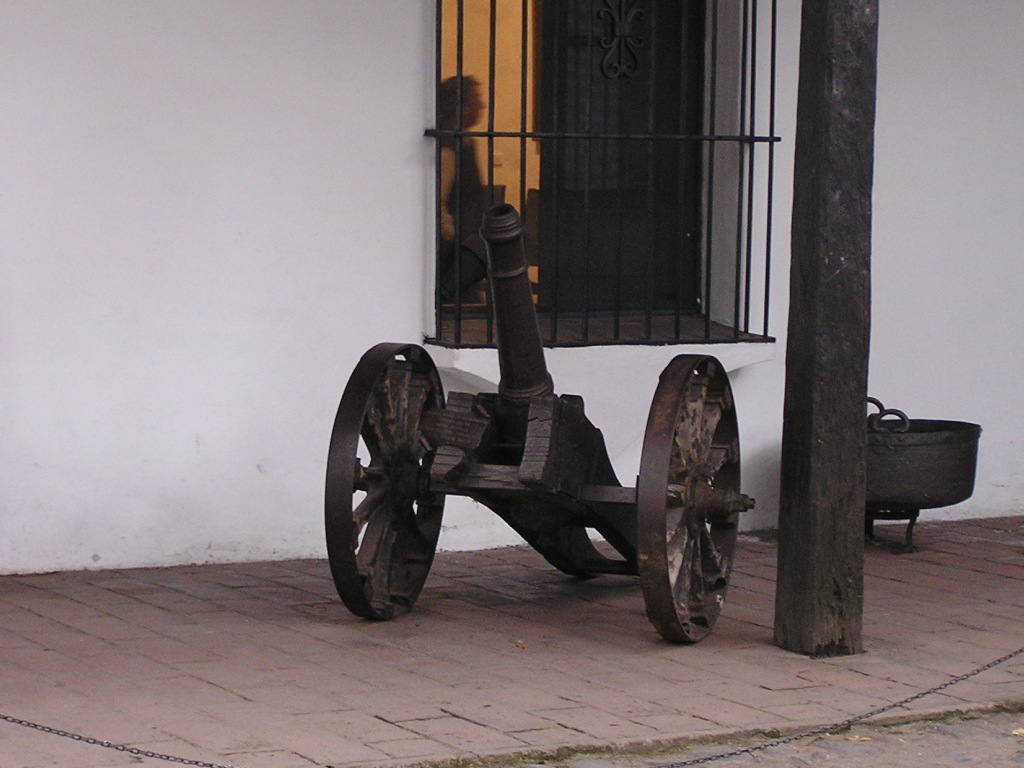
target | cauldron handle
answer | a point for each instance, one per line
(875, 419)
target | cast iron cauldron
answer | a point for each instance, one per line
(916, 464)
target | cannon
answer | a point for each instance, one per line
(398, 448)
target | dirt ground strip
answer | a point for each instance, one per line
(992, 738)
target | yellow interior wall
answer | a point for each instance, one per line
(508, 73)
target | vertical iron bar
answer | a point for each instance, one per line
(457, 186)
(741, 150)
(651, 150)
(617, 149)
(491, 54)
(523, 74)
(712, 128)
(491, 46)
(556, 145)
(681, 152)
(438, 203)
(588, 119)
(750, 178)
(771, 164)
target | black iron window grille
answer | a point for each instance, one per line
(626, 134)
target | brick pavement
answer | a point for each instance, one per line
(260, 666)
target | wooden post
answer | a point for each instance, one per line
(820, 587)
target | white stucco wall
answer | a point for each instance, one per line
(947, 264)
(210, 210)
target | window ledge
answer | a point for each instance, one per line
(476, 370)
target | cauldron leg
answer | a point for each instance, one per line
(912, 514)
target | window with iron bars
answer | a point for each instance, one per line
(626, 134)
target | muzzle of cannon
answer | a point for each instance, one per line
(398, 448)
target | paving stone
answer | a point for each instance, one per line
(260, 665)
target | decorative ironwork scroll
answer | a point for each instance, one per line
(622, 44)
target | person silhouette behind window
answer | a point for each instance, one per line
(468, 196)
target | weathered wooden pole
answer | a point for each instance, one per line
(820, 587)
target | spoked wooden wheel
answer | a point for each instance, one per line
(382, 524)
(688, 499)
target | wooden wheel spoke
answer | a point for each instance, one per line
(675, 519)
(707, 580)
(364, 478)
(709, 423)
(716, 458)
(714, 564)
(396, 411)
(705, 458)
(376, 497)
(378, 572)
(427, 522)
(694, 439)
(688, 448)
(377, 433)
(685, 583)
(698, 584)
(376, 523)
(409, 426)
(675, 548)
(378, 428)
(395, 400)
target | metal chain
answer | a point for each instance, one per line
(135, 751)
(845, 724)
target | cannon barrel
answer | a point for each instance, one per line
(524, 373)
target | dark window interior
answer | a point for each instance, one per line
(608, 124)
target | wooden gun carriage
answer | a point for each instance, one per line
(534, 458)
